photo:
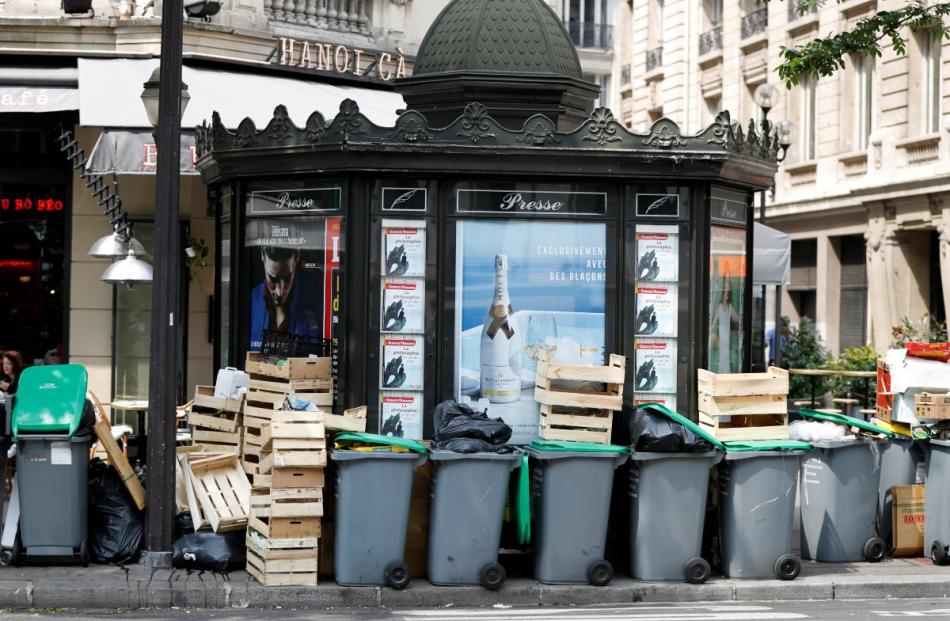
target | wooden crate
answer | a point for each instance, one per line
(282, 562)
(289, 386)
(289, 503)
(560, 423)
(579, 386)
(290, 478)
(744, 406)
(353, 419)
(214, 413)
(289, 368)
(284, 528)
(221, 489)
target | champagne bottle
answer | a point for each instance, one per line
(500, 344)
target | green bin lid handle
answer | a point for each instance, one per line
(372, 438)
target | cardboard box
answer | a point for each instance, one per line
(930, 406)
(885, 399)
(908, 516)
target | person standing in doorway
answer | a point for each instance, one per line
(12, 367)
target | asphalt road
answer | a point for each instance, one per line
(766, 611)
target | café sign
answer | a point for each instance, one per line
(340, 59)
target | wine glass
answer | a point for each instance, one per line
(540, 336)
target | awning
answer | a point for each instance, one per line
(133, 152)
(773, 256)
(38, 89)
(110, 93)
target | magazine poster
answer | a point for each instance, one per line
(655, 366)
(403, 306)
(657, 254)
(656, 310)
(668, 400)
(404, 251)
(403, 363)
(400, 414)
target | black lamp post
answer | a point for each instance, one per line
(163, 358)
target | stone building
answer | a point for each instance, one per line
(863, 190)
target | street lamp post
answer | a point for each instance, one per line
(163, 358)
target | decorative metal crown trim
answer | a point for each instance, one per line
(600, 132)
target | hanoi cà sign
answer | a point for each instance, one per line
(340, 60)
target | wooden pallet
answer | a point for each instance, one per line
(579, 386)
(744, 406)
(221, 489)
(282, 562)
(560, 423)
(289, 368)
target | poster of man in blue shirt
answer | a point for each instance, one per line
(280, 302)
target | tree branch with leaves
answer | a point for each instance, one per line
(824, 56)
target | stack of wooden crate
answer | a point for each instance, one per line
(284, 527)
(271, 383)
(578, 401)
(216, 421)
(744, 406)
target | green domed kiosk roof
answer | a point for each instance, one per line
(509, 36)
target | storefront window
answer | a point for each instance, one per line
(726, 298)
(523, 288)
(293, 261)
(133, 329)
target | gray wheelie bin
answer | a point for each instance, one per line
(840, 495)
(570, 497)
(466, 515)
(52, 463)
(668, 493)
(937, 502)
(757, 485)
(373, 491)
(899, 457)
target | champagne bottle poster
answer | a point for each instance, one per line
(403, 306)
(523, 287)
(656, 365)
(657, 254)
(401, 414)
(403, 363)
(405, 251)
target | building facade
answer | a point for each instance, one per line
(83, 73)
(863, 191)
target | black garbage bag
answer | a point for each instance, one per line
(457, 421)
(209, 551)
(651, 432)
(87, 423)
(184, 524)
(473, 445)
(116, 526)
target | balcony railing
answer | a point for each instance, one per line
(793, 10)
(339, 15)
(591, 36)
(654, 58)
(755, 22)
(710, 40)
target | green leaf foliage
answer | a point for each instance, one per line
(804, 349)
(823, 56)
(859, 358)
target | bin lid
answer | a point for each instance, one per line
(849, 421)
(742, 446)
(559, 446)
(372, 438)
(659, 408)
(50, 400)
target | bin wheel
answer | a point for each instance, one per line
(600, 573)
(938, 553)
(875, 550)
(397, 575)
(697, 570)
(6, 558)
(492, 576)
(83, 554)
(787, 567)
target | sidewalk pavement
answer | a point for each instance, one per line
(134, 587)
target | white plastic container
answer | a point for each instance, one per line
(229, 383)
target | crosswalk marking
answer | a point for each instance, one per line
(635, 613)
(945, 612)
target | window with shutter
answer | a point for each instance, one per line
(854, 293)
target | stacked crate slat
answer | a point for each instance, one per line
(744, 406)
(216, 421)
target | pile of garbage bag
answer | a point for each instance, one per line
(461, 429)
